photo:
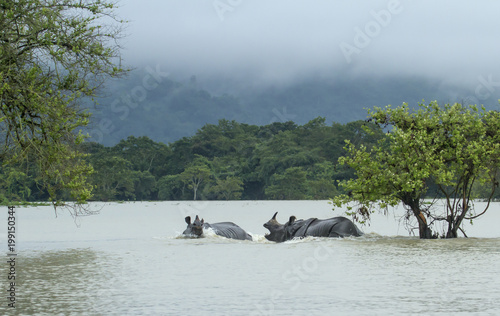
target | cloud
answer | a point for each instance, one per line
(279, 40)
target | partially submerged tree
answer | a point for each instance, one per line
(53, 53)
(451, 146)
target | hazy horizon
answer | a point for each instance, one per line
(279, 42)
(294, 60)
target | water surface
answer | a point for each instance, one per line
(129, 260)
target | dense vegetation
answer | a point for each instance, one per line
(226, 161)
(53, 54)
(452, 150)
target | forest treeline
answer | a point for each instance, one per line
(224, 161)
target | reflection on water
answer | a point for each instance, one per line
(218, 276)
(122, 272)
(62, 282)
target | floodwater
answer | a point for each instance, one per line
(130, 260)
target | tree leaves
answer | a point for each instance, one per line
(52, 55)
(450, 145)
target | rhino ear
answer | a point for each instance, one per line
(274, 217)
(188, 220)
(202, 221)
(291, 220)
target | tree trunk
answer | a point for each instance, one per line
(455, 220)
(452, 228)
(452, 233)
(423, 229)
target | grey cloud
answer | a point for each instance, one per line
(279, 40)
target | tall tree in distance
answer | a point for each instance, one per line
(196, 174)
(53, 54)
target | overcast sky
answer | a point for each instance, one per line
(280, 40)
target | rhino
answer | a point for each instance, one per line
(331, 227)
(224, 229)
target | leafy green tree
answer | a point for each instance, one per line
(483, 190)
(182, 155)
(452, 146)
(170, 187)
(291, 185)
(228, 189)
(280, 153)
(14, 184)
(471, 153)
(321, 182)
(144, 154)
(268, 131)
(195, 174)
(114, 179)
(53, 53)
(144, 185)
(321, 189)
(228, 138)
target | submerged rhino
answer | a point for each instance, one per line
(225, 229)
(331, 227)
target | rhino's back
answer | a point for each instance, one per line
(229, 230)
(333, 227)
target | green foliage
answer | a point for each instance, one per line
(14, 185)
(170, 187)
(196, 174)
(228, 189)
(482, 189)
(114, 178)
(227, 161)
(53, 53)
(144, 154)
(291, 185)
(321, 181)
(144, 185)
(451, 146)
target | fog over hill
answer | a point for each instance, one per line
(151, 103)
(261, 61)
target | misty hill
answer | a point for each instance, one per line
(147, 104)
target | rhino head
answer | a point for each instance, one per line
(276, 230)
(279, 232)
(195, 228)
